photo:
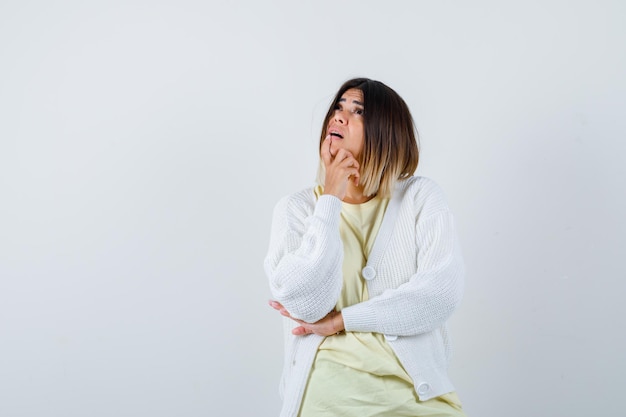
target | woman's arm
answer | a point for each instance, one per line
(305, 254)
(429, 297)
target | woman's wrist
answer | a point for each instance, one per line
(337, 323)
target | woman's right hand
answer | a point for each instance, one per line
(340, 169)
(331, 324)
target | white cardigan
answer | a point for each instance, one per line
(414, 278)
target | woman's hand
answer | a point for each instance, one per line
(329, 325)
(339, 169)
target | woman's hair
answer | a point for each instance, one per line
(390, 150)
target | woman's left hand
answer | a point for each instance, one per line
(331, 324)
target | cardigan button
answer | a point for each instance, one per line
(368, 273)
(391, 337)
(423, 388)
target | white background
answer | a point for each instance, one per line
(143, 145)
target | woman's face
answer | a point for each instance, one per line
(345, 126)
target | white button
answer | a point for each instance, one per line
(391, 337)
(368, 273)
(423, 388)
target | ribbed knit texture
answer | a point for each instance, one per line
(418, 282)
(306, 254)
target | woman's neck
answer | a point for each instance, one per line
(354, 195)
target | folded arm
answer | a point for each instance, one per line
(428, 298)
(305, 254)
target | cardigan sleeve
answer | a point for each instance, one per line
(305, 255)
(431, 294)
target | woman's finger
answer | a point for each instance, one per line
(275, 305)
(354, 174)
(279, 307)
(341, 156)
(325, 151)
(345, 158)
(300, 331)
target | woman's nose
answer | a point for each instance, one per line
(340, 117)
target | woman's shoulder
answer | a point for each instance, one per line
(421, 185)
(425, 193)
(303, 200)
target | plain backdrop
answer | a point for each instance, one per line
(143, 145)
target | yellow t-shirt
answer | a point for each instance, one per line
(357, 373)
(365, 352)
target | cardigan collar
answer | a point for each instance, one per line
(386, 229)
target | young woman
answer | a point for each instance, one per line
(366, 269)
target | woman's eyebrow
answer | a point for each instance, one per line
(353, 101)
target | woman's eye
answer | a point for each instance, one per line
(358, 111)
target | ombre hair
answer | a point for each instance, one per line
(390, 150)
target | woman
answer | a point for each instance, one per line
(366, 270)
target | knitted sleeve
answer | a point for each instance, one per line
(305, 255)
(429, 297)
